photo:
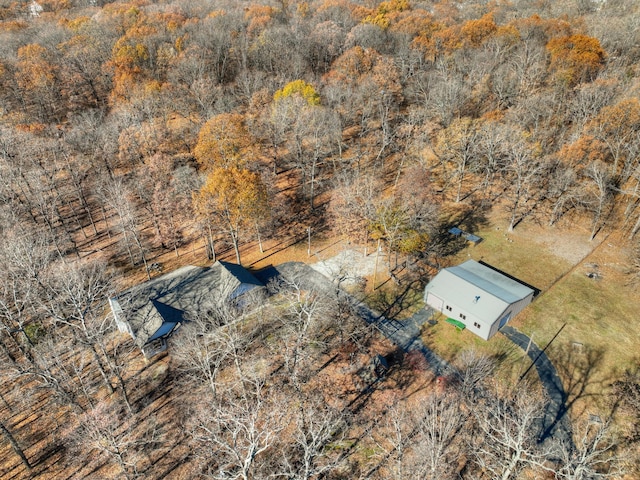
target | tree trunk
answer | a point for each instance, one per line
(85, 204)
(259, 238)
(96, 357)
(142, 253)
(312, 183)
(4, 400)
(211, 247)
(125, 395)
(514, 211)
(506, 475)
(125, 238)
(460, 180)
(106, 221)
(234, 239)
(16, 447)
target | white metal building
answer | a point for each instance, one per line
(478, 296)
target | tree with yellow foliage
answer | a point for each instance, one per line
(224, 141)
(387, 13)
(298, 88)
(232, 199)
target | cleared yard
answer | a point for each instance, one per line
(582, 283)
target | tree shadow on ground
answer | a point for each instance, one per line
(624, 401)
(392, 301)
(468, 217)
(578, 366)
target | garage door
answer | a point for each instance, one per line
(435, 302)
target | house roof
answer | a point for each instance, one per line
(245, 280)
(152, 309)
(478, 289)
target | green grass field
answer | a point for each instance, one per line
(600, 338)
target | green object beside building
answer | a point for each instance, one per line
(459, 325)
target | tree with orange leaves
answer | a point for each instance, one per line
(367, 85)
(36, 77)
(232, 199)
(576, 58)
(476, 32)
(224, 141)
(617, 127)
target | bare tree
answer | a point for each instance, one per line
(437, 444)
(390, 222)
(272, 127)
(457, 145)
(235, 432)
(121, 438)
(119, 360)
(50, 371)
(592, 457)
(78, 293)
(597, 198)
(352, 201)
(491, 151)
(398, 440)
(508, 435)
(447, 91)
(591, 97)
(117, 196)
(324, 137)
(473, 369)
(316, 425)
(16, 308)
(424, 440)
(26, 257)
(523, 172)
(205, 345)
(563, 191)
(308, 312)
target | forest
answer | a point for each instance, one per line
(141, 135)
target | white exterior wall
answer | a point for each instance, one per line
(485, 331)
(118, 315)
(519, 306)
(470, 320)
(512, 310)
(472, 289)
(434, 301)
(495, 326)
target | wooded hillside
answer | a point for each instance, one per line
(130, 131)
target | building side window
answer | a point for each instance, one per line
(448, 308)
(476, 324)
(463, 316)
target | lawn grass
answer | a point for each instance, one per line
(600, 337)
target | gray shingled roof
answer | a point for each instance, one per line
(154, 308)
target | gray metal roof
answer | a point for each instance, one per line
(478, 289)
(492, 281)
(152, 306)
